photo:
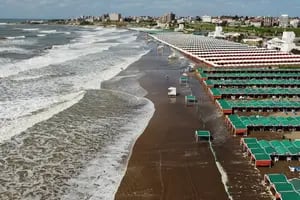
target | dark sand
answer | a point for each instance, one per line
(167, 163)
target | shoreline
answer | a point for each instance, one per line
(140, 182)
(157, 165)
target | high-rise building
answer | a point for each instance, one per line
(114, 16)
(167, 18)
(284, 21)
(268, 21)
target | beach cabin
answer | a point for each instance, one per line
(172, 92)
(183, 80)
(190, 100)
(201, 135)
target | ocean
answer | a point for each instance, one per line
(64, 134)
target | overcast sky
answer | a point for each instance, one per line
(73, 8)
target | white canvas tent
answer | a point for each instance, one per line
(172, 92)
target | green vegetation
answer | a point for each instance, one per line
(249, 30)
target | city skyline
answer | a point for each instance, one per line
(73, 8)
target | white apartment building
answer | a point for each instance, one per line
(114, 16)
(206, 18)
(284, 21)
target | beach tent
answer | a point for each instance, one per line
(289, 196)
(283, 188)
(261, 159)
(296, 184)
(190, 100)
(275, 178)
(183, 80)
(172, 92)
(202, 135)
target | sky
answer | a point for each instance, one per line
(46, 9)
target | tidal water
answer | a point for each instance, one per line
(62, 135)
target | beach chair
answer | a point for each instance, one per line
(294, 169)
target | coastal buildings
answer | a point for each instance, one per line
(284, 21)
(286, 44)
(206, 19)
(167, 18)
(268, 21)
(255, 22)
(114, 16)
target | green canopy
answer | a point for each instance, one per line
(250, 140)
(203, 133)
(289, 196)
(277, 178)
(261, 156)
(283, 187)
(296, 183)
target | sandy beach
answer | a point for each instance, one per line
(166, 162)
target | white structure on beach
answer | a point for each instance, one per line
(286, 44)
(180, 28)
(218, 33)
(172, 92)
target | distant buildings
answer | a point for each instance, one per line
(255, 22)
(114, 16)
(218, 33)
(167, 18)
(294, 23)
(285, 44)
(268, 21)
(284, 21)
(206, 19)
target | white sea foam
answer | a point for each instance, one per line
(24, 121)
(15, 37)
(222, 171)
(20, 110)
(30, 29)
(41, 35)
(61, 53)
(48, 31)
(22, 78)
(20, 41)
(12, 49)
(101, 179)
(93, 80)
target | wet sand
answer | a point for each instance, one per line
(167, 163)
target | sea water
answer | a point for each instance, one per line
(62, 136)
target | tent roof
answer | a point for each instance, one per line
(201, 133)
(261, 156)
(296, 183)
(191, 97)
(283, 187)
(277, 178)
(289, 196)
